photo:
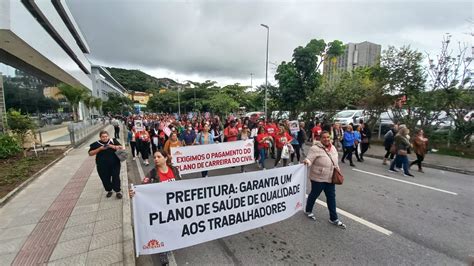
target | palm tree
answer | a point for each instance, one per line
(74, 95)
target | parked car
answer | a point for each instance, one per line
(350, 116)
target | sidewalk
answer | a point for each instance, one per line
(432, 160)
(63, 217)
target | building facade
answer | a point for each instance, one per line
(41, 38)
(355, 55)
(104, 84)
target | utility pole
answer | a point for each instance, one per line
(251, 80)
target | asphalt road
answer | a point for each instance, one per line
(428, 219)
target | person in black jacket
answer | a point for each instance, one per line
(108, 164)
(365, 140)
(389, 138)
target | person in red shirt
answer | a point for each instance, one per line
(263, 140)
(282, 139)
(163, 171)
(231, 132)
(317, 132)
(272, 130)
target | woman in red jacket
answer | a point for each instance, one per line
(282, 139)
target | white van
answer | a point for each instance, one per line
(349, 116)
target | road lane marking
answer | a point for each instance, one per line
(407, 182)
(358, 219)
(140, 169)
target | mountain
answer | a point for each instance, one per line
(136, 80)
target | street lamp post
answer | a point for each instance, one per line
(179, 103)
(266, 70)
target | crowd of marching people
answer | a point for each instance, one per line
(275, 139)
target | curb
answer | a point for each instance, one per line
(434, 166)
(14, 192)
(127, 229)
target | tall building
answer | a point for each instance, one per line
(42, 39)
(103, 83)
(355, 55)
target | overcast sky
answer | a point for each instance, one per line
(223, 40)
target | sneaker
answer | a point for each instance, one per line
(353, 165)
(421, 170)
(342, 161)
(109, 194)
(392, 171)
(408, 174)
(290, 164)
(310, 215)
(338, 223)
(134, 158)
(119, 195)
(264, 168)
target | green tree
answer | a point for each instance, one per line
(406, 79)
(451, 87)
(164, 102)
(299, 78)
(222, 104)
(117, 104)
(74, 95)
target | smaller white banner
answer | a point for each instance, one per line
(174, 215)
(138, 125)
(198, 158)
(294, 126)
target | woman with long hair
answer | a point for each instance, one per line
(420, 145)
(402, 144)
(203, 138)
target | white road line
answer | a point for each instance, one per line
(140, 169)
(407, 182)
(358, 219)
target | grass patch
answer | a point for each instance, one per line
(467, 153)
(17, 169)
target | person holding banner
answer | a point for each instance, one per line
(162, 172)
(322, 158)
(203, 138)
(172, 142)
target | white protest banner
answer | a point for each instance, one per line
(294, 126)
(197, 158)
(138, 125)
(174, 215)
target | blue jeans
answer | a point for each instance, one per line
(262, 157)
(329, 190)
(400, 159)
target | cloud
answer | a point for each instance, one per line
(223, 40)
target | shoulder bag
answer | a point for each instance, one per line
(337, 177)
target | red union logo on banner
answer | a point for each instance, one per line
(298, 205)
(178, 153)
(153, 244)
